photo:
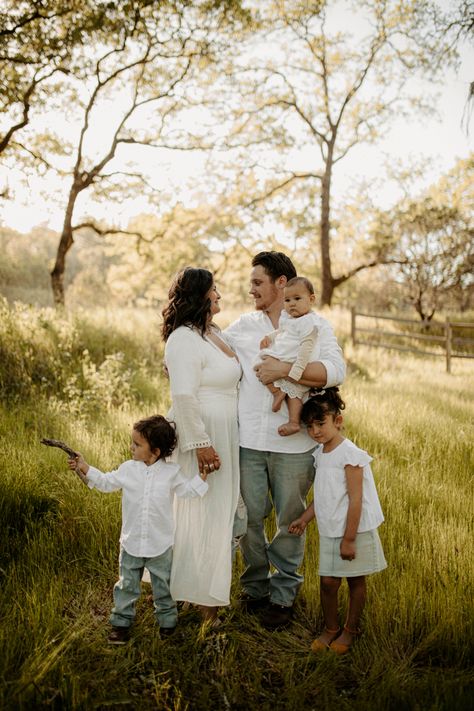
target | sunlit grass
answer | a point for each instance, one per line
(59, 563)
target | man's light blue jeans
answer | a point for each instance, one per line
(127, 589)
(271, 568)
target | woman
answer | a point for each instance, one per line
(203, 373)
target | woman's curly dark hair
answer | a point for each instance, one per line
(321, 403)
(187, 302)
(159, 432)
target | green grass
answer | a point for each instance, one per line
(58, 561)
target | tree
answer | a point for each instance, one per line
(37, 42)
(141, 63)
(38, 39)
(311, 92)
(433, 238)
(74, 60)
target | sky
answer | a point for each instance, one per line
(442, 141)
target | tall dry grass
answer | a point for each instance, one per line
(59, 555)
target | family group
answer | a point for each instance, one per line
(256, 420)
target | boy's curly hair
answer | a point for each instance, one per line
(159, 432)
(322, 402)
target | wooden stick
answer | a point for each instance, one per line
(72, 454)
(61, 445)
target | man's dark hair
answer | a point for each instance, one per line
(276, 264)
(159, 432)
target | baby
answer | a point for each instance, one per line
(293, 343)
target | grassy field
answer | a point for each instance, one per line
(85, 380)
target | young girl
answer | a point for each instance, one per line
(348, 512)
(148, 485)
(293, 343)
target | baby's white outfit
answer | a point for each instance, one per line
(292, 343)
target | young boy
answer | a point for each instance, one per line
(148, 485)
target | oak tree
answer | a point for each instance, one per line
(311, 91)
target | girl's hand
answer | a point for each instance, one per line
(265, 342)
(298, 526)
(208, 460)
(78, 463)
(348, 549)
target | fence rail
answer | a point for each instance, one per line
(447, 340)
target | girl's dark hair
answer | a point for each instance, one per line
(159, 432)
(276, 264)
(321, 403)
(188, 305)
(301, 280)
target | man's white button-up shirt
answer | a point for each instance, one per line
(147, 502)
(258, 425)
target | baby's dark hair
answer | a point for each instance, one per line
(322, 403)
(159, 432)
(301, 280)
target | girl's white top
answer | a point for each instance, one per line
(331, 500)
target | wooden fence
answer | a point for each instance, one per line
(449, 340)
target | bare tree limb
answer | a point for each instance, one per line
(72, 454)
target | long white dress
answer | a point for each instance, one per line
(203, 382)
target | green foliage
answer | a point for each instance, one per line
(79, 363)
(62, 543)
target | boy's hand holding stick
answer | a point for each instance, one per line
(75, 462)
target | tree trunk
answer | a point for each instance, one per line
(65, 244)
(327, 282)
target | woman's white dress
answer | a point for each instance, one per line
(203, 383)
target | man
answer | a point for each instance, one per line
(272, 465)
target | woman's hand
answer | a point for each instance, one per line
(208, 460)
(270, 369)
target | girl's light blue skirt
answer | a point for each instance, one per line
(369, 556)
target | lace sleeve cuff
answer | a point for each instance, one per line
(187, 446)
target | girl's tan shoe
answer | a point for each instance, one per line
(341, 647)
(319, 646)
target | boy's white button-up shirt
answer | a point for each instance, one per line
(258, 425)
(147, 502)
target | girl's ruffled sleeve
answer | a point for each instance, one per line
(356, 457)
(184, 361)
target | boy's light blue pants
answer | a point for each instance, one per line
(127, 589)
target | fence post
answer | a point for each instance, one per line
(353, 325)
(449, 345)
